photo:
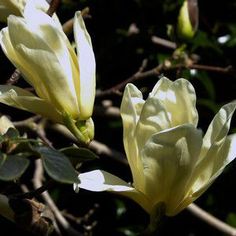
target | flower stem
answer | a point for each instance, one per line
(156, 219)
(78, 129)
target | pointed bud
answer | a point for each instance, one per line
(188, 19)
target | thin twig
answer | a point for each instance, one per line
(106, 109)
(137, 76)
(218, 69)
(163, 42)
(26, 122)
(68, 25)
(96, 146)
(211, 220)
(157, 71)
(54, 4)
(14, 77)
(37, 181)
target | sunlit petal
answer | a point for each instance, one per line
(86, 62)
(169, 158)
(179, 99)
(22, 99)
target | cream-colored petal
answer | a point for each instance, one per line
(99, 180)
(5, 124)
(218, 129)
(131, 107)
(212, 165)
(21, 63)
(169, 158)
(153, 119)
(35, 5)
(22, 99)
(226, 154)
(8, 7)
(218, 150)
(179, 99)
(87, 68)
(214, 142)
(52, 79)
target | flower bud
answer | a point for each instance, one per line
(188, 19)
(63, 81)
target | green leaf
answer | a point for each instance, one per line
(231, 219)
(12, 133)
(12, 166)
(80, 154)
(57, 165)
(1, 139)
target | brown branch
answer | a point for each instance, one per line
(163, 42)
(211, 220)
(157, 71)
(218, 69)
(137, 76)
(14, 77)
(54, 4)
(37, 181)
(68, 25)
(106, 109)
(96, 146)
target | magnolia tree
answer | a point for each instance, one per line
(171, 160)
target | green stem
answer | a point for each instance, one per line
(76, 128)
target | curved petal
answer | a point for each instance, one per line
(41, 5)
(224, 157)
(218, 129)
(99, 180)
(153, 119)
(8, 7)
(217, 151)
(22, 99)
(34, 43)
(169, 159)
(179, 99)
(87, 70)
(131, 107)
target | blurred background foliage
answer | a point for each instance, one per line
(121, 32)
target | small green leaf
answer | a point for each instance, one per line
(12, 166)
(57, 165)
(81, 154)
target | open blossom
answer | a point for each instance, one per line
(171, 163)
(63, 81)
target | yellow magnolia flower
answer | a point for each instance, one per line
(64, 82)
(171, 163)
